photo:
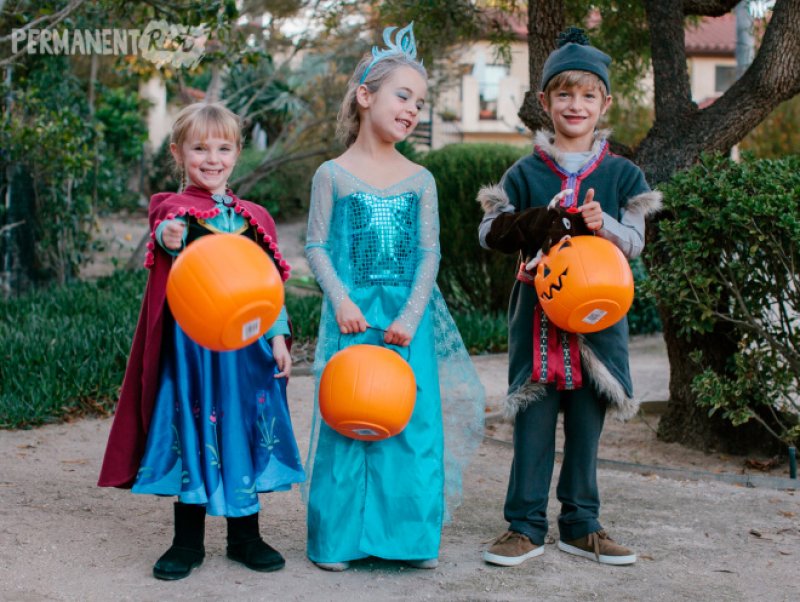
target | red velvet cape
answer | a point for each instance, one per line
(128, 436)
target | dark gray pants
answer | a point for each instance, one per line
(534, 455)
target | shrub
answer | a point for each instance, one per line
(483, 332)
(730, 249)
(470, 277)
(285, 191)
(643, 316)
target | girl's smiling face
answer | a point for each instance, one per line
(392, 111)
(208, 161)
(575, 111)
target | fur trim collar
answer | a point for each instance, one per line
(545, 139)
(621, 406)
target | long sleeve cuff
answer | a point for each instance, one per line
(627, 234)
(160, 232)
(281, 325)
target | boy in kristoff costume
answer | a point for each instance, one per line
(582, 375)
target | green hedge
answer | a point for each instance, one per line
(470, 277)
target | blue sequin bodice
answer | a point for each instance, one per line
(384, 238)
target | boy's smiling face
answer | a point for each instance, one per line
(575, 111)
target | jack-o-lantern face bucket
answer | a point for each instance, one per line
(584, 284)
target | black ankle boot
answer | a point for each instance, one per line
(246, 546)
(187, 551)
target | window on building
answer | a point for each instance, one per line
(489, 77)
(724, 76)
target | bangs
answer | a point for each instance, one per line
(204, 121)
(574, 78)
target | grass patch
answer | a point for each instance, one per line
(64, 349)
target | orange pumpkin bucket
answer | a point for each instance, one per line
(584, 284)
(367, 392)
(224, 291)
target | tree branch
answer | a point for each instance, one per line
(8, 227)
(682, 132)
(773, 77)
(246, 183)
(750, 323)
(673, 93)
(48, 21)
(545, 21)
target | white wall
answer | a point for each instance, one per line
(159, 116)
(702, 75)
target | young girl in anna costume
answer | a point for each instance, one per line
(373, 244)
(211, 428)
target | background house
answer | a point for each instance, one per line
(481, 103)
(710, 52)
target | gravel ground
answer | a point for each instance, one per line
(63, 538)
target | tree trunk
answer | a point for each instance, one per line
(545, 22)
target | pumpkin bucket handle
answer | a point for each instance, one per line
(395, 348)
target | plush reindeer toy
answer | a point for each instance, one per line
(532, 231)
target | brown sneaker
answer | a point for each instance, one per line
(600, 547)
(511, 549)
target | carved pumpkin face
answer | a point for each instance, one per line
(584, 284)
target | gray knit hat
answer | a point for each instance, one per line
(575, 53)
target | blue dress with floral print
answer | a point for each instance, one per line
(221, 431)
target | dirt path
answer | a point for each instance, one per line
(62, 538)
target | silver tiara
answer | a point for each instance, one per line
(404, 44)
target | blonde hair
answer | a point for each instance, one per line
(570, 79)
(348, 120)
(205, 120)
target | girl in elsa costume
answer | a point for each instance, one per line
(373, 245)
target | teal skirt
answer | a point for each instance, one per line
(382, 498)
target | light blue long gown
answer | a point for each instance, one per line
(380, 248)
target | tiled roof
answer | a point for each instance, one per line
(713, 35)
